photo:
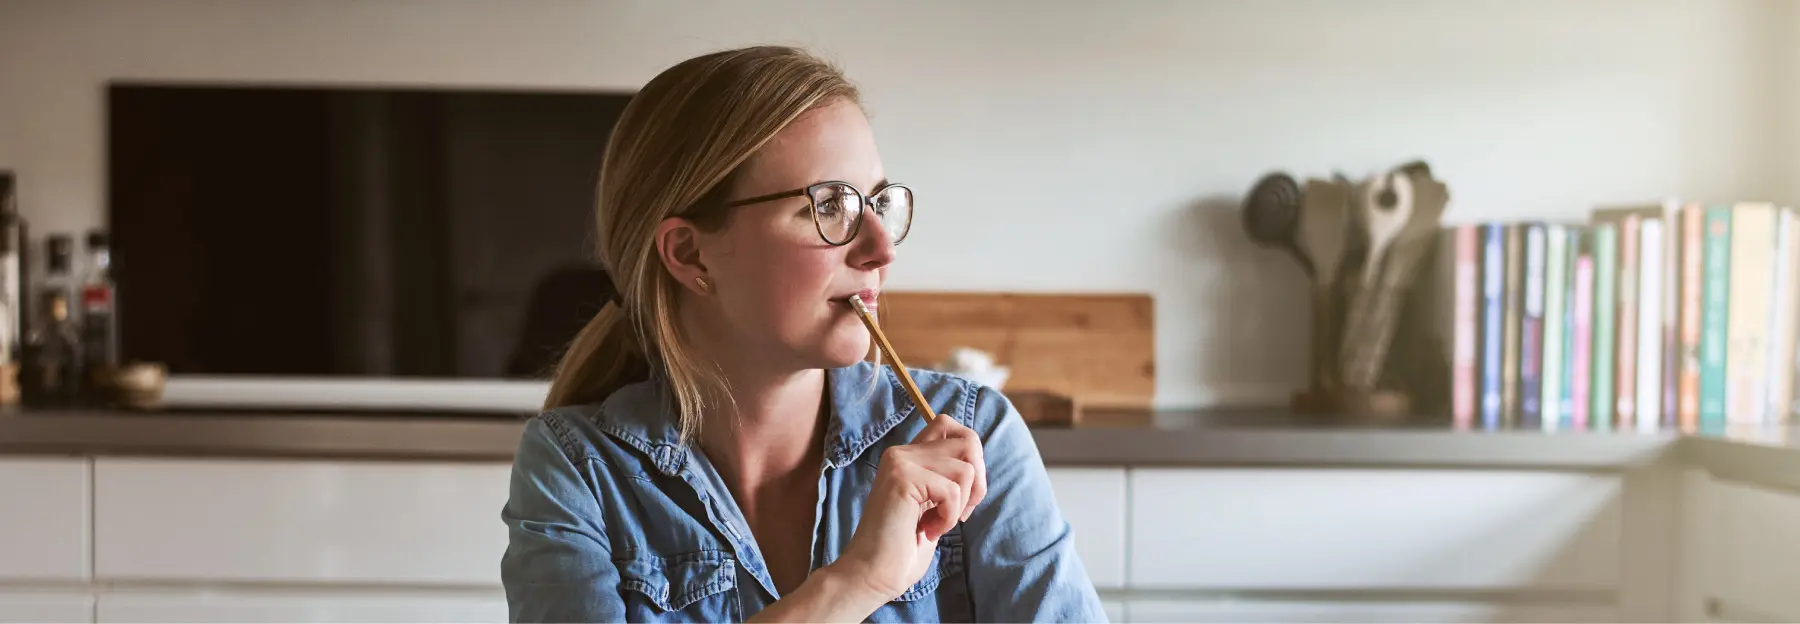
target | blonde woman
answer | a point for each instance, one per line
(715, 445)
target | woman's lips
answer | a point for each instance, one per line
(870, 298)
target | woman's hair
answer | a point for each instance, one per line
(675, 152)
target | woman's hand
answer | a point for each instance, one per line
(921, 491)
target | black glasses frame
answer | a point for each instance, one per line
(812, 199)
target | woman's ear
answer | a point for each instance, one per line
(678, 246)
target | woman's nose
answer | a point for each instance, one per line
(874, 245)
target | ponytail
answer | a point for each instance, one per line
(603, 357)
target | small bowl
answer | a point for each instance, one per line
(139, 384)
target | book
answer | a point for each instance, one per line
(1605, 303)
(1687, 395)
(1625, 331)
(1493, 308)
(1650, 326)
(1571, 255)
(1556, 251)
(1715, 311)
(1531, 328)
(1747, 352)
(1782, 317)
(1465, 348)
(1581, 365)
(1514, 311)
(1670, 348)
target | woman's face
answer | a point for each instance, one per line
(778, 288)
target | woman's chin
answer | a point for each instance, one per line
(844, 350)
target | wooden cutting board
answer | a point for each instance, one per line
(1099, 349)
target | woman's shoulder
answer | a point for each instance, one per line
(625, 432)
(974, 404)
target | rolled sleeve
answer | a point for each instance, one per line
(1023, 556)
(558, 563)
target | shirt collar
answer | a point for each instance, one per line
(866, 403)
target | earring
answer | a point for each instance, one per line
(705, 286)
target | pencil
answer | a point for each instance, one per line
(912, 387)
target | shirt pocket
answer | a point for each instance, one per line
(700, 586)
(942, 594)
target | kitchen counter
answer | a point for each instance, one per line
(1175, 438)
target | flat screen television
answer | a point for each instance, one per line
(324, 247)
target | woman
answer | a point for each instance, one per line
(715, 445)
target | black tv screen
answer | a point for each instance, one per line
(353, 232)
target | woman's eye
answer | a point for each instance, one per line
(830, 208)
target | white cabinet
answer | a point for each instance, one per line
(44, 519)
(1115, 610)
(1093, 501)
(47, 607)
(299, 521)
(1360, 611)
(198, 608)
(1747, 540)
(1312, 529)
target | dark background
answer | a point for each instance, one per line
(274, 230)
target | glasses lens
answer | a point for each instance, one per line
(894, 205)
(836, 208)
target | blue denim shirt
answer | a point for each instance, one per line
(611, 518)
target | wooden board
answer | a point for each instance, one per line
(1099, 349)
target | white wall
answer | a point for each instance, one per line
(1055, 145)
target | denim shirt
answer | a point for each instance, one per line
(610, 517)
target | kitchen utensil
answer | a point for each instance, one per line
(1364, 352)
(1324, 217)
(912, 387)
(1272, 215)
(1384, 205)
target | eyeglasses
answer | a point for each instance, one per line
(838, 209)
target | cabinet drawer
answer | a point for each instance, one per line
(44, 520)
(1239, 611)
(45, 607)
(273, 521)
(1752, 541)
(1093, 501)
(1374, 529)
(208, 608)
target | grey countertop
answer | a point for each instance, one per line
(1176, 438)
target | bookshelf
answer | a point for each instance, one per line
(1673, 316)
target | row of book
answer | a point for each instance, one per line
(1675, 315)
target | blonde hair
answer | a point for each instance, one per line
(674, 152)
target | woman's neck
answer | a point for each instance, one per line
(775, 427)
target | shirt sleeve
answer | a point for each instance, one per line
(1023, 565)
(558, 563)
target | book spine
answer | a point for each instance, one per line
(1789, 345)
(1582, 368)
(1650, 326)
(1687, 396)
(1510, 341)
(1781, 321)
(1625, 340)
(1465, 385)
(1531, 330)
(1670, 363)
(1493, 308)
(1752, 253)
(1556, 250)
(1715, 316)
(1605, 320)
(1570, 255)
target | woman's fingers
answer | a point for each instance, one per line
(940, 498)
(961, 443)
